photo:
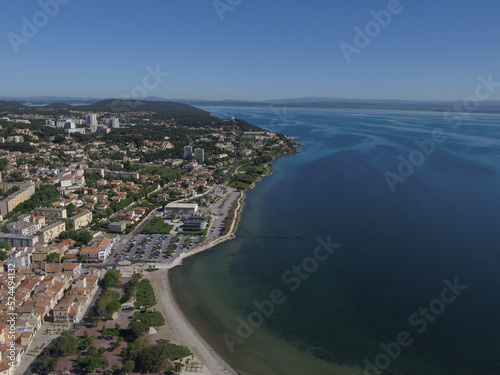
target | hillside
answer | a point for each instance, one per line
(6, 105)
(122, 105)
(183, 114)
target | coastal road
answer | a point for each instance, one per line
(219, 211)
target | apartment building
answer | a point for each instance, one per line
(53, 213)
(51, 232)
(26, 190)
(81, 220)
(15, 240)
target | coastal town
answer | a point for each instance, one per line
(95, 202)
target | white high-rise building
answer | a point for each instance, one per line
(199, 154)
(188, 152)
(115, 123)
(91, 119)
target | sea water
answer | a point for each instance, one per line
(377, 246)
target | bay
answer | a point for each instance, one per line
(399, 249)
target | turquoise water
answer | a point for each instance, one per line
(396, 249)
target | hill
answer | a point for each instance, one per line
(183, 114)
(123, 105)
(58, 105)
(6, 105)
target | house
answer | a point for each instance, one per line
(99, 250)
(5, 353)
(60, 313)
(5, 368)
(102, 206)
(139, 211)
(105, 246)
(92, 253)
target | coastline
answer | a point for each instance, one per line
(177, 328)
(180, 331)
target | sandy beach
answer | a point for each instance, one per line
(177, 329)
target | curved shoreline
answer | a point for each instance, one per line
(181, 329)
(229, 236)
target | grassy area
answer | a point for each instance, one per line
(176, 351)
(151, 318)
(238, 185)
(157, 226)
(108, 304)
(163, 172)
(145, 295)
(246, 175)
(256, 169)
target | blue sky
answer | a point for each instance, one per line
(261, 50)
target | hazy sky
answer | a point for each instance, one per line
(253, 49)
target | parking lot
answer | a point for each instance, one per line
(157, 247)
(219, 212)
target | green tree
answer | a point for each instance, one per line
(49, 363)
(84, 237)
(66, 344)
(92, 350)
(134, 347)
(71, 208)
(3, 255)
(85, 341)
(53, 257)
(4, 245)
(153, 359)
(114, 344)
(112, 277)
(137, 328)
(108, 304)
(92, 362)
(128, 366)
(3, 164)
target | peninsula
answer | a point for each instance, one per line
(97, 202)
